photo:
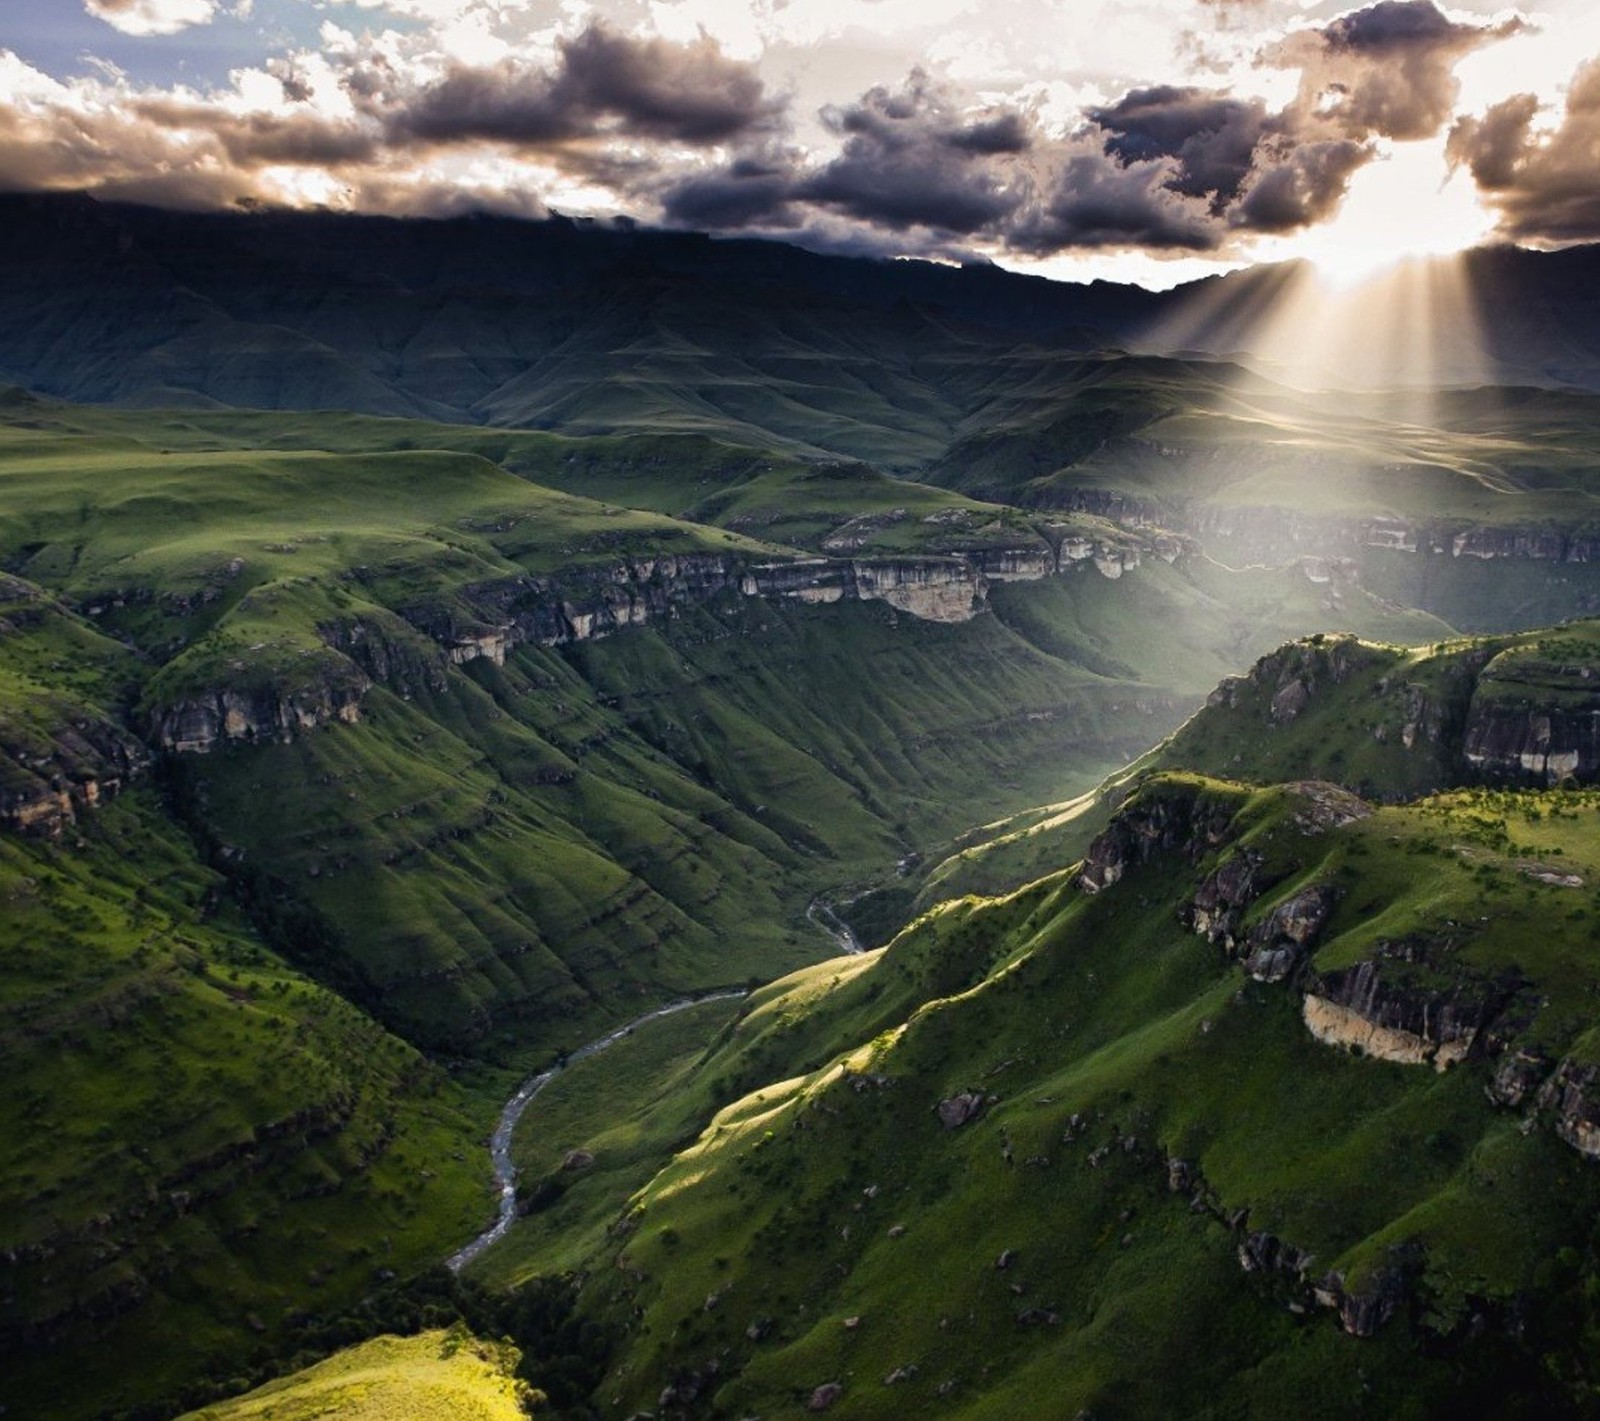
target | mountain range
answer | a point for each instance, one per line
(428, 647)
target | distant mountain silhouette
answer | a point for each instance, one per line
(592, 327)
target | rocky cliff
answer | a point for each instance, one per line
(1275, 533)
(198, 723)
(49, 775)
(1522, 710)
(578, 604)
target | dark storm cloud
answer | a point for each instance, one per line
(1168, 169)
(1163, 167)
(1096, 201)
(1385, 71)
(687, 132)
(1302, 188)
(912, 159)
(748, 192)
(1544, 186)
(1212, 137)
(602, 82)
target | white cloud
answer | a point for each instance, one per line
(152, 17)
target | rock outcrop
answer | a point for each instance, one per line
(390, 651)
(197, 724)
(1374, 1008)
(47, 778)
(1545, 744)
(1187, 821)
(1281, 940)
(1573, 1094)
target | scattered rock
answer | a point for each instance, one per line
(959, 1109)
(824, 1396)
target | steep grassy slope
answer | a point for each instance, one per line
(199, 1140)
(1142, 1150)
(1390, 722)
(488, 821)
(435, 1376)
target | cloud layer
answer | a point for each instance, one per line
(449, 114)
(1544, 185)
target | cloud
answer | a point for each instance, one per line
(1305, 186)
(419, 119)
(602, 82)
(1544, 186)
(1095, 201)
(911, 159)
(1211, 136)
(1386, 71)
(152, 17)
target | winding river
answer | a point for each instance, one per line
(505, 1172)
(823, 915)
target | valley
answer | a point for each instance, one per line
(987, 853)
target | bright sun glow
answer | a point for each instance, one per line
(1407, 205)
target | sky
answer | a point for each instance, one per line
(1146, 140)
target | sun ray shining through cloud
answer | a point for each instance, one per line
(1154, 145)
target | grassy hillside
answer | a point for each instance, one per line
(200, 1141)
(1388, 721)
(653, 810)
(435, 1376)
(317, 758)
(1160, 1159)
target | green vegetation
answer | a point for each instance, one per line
(366, 764)
(1104, 1041)
(199, 1140)
(436, 1376)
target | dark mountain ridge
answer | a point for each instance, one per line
(500, 321)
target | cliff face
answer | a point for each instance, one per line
(390, 651)
(47, 781)
(1274, 532)
(197, 724)
(1523, 711)
(581, 604)
(1370, 1007)
(1188, 822)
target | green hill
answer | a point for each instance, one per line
(1229, 1110)
(435, 1376)
(353, 767)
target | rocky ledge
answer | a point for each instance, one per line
(46, 783)
(197, 724)
(580, 604)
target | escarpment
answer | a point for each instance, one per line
(1424, 998)
(1394, 723)
(258, 710)
(51, 773)
(1273, 532)
(579, 604)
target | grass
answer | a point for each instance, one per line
(810, 1200)
(627, 1111)
(503, 859)
(200, 1141)
(437, 1376)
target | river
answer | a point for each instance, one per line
(505, 1172)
